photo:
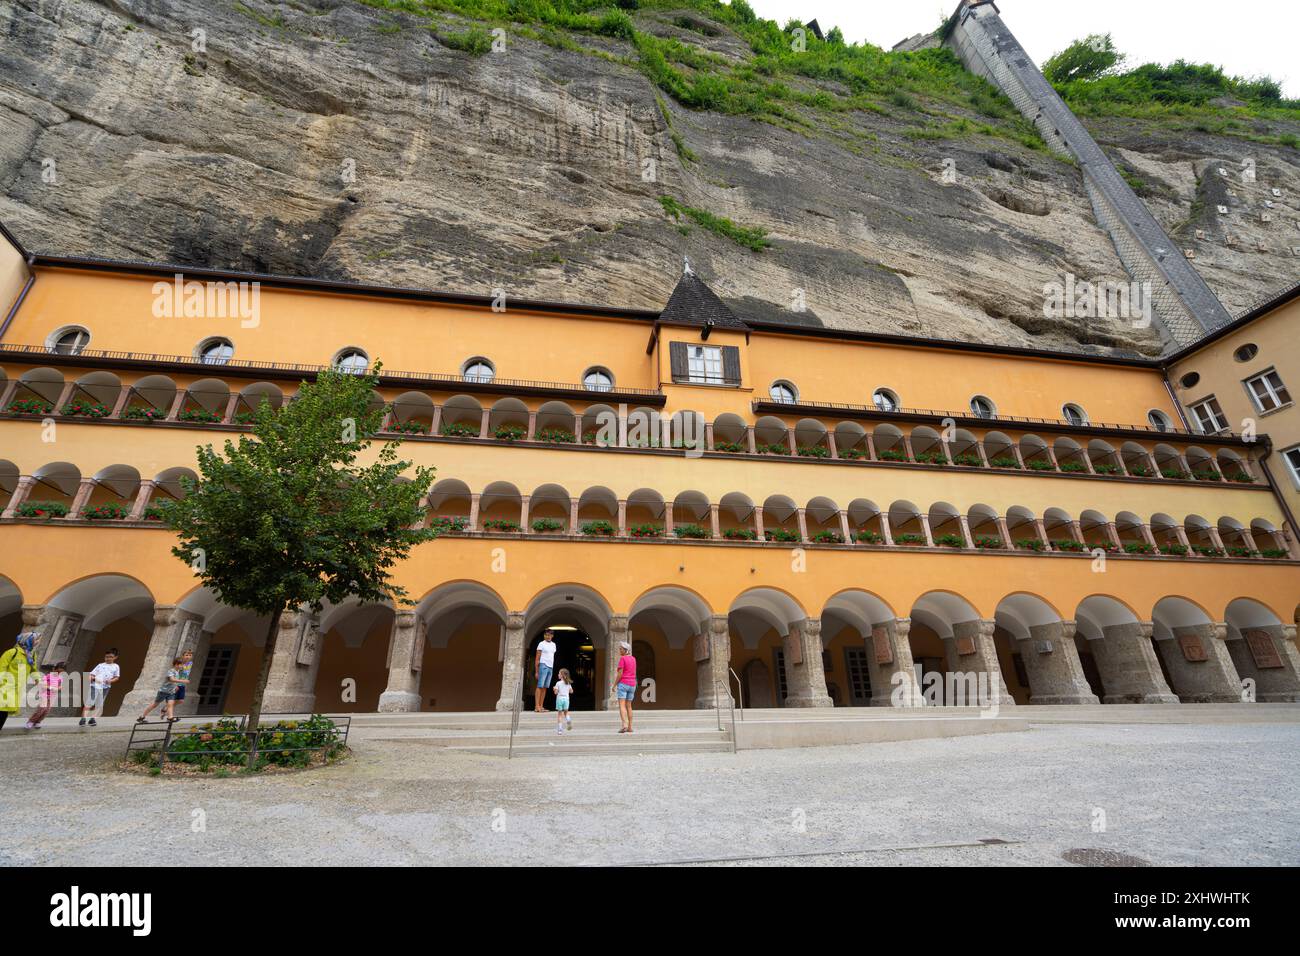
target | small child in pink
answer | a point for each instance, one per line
(50, 682)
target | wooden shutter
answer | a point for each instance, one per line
(731, 364)
(677, 359)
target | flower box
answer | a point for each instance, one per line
(145, 413)
(645, 531)
(773, 448)
(41, 509)
(893, 454)
(1275, 553)
(1069, 544)
(814, 451)
(1073, 467)
(1105, 469)
(1206, 476)
(105, 512)
(557, 436)
(1004, 462)
(740, 534)
(1176, 474)
(968, 461)
(730, 447)
(412, 427)
(85, 410)
(781, 534)
(501, 524)
(459, 430)
(1138, 547)
(597, 529)
(1031, 544)
(1207, 551)
(1178, 550)
(446, 525)
(690, 531)
(909, 539)
(29, 406)
(854, 454)
(1140, 471)
(244, 417)
(1238, 552)
(201, 415)
(545, 525)
(932, 458)
(509, 432)
(153, 513)
(1039, 464)
(869, 537)
(950, 541)
(828, 537)
(1240, 476)
(986, 542)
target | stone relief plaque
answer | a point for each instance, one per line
(700, 647)
(881, 645)
(1262, 649)
(307, 638)
(61, 641)
(1192, 646)
(965, 646)
(189, 641)
(793, 649)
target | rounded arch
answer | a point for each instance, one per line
(1021, 611)
(756, 610)
(941, 611)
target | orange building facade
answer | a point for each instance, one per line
(787, 515)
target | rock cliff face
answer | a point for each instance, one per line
(330, 138)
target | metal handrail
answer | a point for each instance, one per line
(732, 705)
(740, 690)
(992, 421)
(245, 364)
(514, 715)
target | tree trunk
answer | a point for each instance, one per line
(264, 672)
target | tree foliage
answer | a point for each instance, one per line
(290, 516)
(1087, 59)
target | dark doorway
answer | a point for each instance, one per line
(214, 681)
(573, 652)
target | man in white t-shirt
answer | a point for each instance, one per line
(543, 665)
(104, 676)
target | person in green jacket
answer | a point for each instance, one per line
(17, 670)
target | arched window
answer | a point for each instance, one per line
(352, 360)
(478, 370)
(1159, 420)
(1074, 414)
(215, 351)
(885, 400)
(598, 379)
(69, 341)
(783, 392)
(982, 407)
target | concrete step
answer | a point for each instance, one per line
(624, 746)
(433, 738)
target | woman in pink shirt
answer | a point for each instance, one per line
(625, 685)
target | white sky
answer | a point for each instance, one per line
(1245, 37)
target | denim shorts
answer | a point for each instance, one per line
(626, 691)
(543, 676)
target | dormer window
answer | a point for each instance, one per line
(704, 364)
(478, 370)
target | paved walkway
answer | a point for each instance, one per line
(1170, 794)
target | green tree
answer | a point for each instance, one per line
(288, 517)
(1087, 59)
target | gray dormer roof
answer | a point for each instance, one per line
(694, 303)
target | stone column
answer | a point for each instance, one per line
(21, 490)
(65, 396)
(123, 394)
(169, 621)
(802, 520)
(871, 447)
(715, 522)
(619, 630)
(485, 423)
(971, 652)
(984, 455)
(178, 403)
(142, 497)
(532, 427)
(1148, 536)
(7, 394)
(668, 519)
(573, 516)
(890, 666)
(965, 531)
(84, 491)
(405, 657)
(758, 523)
(199, 642)
(524, 502)
(1052, 662)
(1130, 671)
(232, 405)
(845, 532)
(1042, 533)
(1201, 671)
(512, 660)
(473, 512)
(925, 529)
(1269, 657)
(805, 676)
(712, 648)
(832, 445)
(1006, 534)
(790, 440)
(622, 518)
(291, 684)
(1113, 533)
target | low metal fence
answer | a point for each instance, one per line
(162, 737)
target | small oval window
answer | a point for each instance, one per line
(885, 400)
(1190, 380)
(1246, 352)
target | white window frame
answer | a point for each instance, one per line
(993, 408)
(598, 370)
(704, 365)
(1271, 391)
(1214, 416)
(1160, 421)
(216, 341)
(892, 402)
(476, 361)
(788, 386)
(1292, 458)
(1082, 414)
(350, 352)
(52, 343)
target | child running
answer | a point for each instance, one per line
(167, 693)
(563, 687)
(51, 681)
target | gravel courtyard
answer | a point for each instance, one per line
(1170, 794)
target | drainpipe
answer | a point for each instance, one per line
(1277, 492)
(1178, 406)
(18, 302)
